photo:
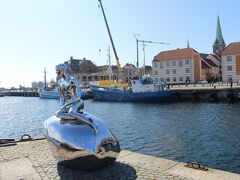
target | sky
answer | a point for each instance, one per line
(43, 33)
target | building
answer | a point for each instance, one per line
(145, 70)
(86, 71)
(177, 66)
(38, 85)
(231, 62)
(210, 67)
(129, 72)
(205, 70)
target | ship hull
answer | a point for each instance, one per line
(56, 95)
(108, 95)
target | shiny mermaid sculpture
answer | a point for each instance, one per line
(78, 139)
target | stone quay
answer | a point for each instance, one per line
(33, 160)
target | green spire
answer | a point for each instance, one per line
(188, 46)
(219, 38)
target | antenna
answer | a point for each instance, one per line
(135, 35)
(109, 63)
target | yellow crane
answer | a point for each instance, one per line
(113, 46)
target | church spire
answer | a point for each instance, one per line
(188, 46)
(219, 37)
(219, 42)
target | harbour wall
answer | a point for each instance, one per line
(182, 94)
(22, 93)
(227, 94)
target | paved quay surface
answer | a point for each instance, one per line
(33, 160)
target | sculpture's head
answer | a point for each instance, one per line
(61, 69)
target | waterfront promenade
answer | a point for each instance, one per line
(33, 160)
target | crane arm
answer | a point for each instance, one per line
(110, 36)
(143, 41)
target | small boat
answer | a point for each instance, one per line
(1, 95)
(49, 94)
(54, 94)
(143, 90)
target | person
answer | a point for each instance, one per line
(70, 97)
(231, 82)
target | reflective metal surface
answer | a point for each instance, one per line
(77, 138)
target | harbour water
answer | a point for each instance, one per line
(208, 133)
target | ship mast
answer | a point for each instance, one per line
(109, 64)
(45, 78)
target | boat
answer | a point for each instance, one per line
(49, 93)
(53, 91)
(141, 90)
(1, 95)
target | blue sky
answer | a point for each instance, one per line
(42, 33)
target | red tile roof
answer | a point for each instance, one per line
(232, 49)
(204, 65)
(210, 62)
(216, 56)
(177, 54)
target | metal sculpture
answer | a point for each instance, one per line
(78, 139)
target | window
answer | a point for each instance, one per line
(187, 61)
(161, 65)
(167, 63)
(167, 71)
(174, 71)
(130, 72)
(180, 78)
(155, 64)
(187, 78)
(162, 79)
(173, 63)
(168, 79)
(187, 70)
(229, 68)
(156, 80)
(155, 72)
(180, 63)
(174, 79)
(229, 58)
